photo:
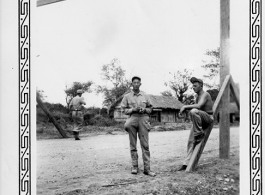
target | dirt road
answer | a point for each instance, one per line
(65, 166)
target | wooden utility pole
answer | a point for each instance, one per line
(224, 122)
(56, 124)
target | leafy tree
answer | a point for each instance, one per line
(188, 99)
(213, 93)
(212, 67)
(115, 75)
(40, 93)
(71, 91)
(180, 83)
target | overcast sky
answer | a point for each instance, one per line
(73, 39)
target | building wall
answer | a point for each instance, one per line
(166, 116)
(169, 116)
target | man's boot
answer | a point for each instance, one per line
(182, 168)
(149, 173)
(76, 135)
(134, 170)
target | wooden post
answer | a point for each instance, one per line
(217, 102)
(58, 127)
(197, 152)
(224, 123)
(234, 91)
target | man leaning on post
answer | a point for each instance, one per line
(137, 105)
(201, 115)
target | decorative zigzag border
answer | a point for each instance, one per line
(24, 98)
(255, 98)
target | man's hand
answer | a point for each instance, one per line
(141, 110)
(136, 109)
(182, 109)
(148, 110)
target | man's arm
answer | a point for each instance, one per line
(149, 106)
(71, 104)
(82, 101)
(124, 106)
(198, 105)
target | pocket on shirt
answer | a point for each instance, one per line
(132, 104)
(143, 104)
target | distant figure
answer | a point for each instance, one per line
(201, 116)
(77, 114)
(137, 105)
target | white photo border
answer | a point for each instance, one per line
(255, 50)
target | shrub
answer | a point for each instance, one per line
(62, 117)
(101, 121)
(57, 110)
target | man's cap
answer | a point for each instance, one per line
(79, 91)
(136, 77)
(194, 80)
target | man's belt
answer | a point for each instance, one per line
(76, 110)
(139, 114)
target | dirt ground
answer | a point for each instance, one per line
(100, 164)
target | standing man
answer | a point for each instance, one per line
(201, 115)
(77, 114)
(137, 105)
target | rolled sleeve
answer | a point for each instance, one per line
(83, 101)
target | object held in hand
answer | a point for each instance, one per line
(182, 115)
(141, 110)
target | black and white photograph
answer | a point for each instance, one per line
(143, 97)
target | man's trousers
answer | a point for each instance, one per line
(139, 123)
(200, 121)
(78, 120)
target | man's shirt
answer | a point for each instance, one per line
(132, 100)
(77, 102)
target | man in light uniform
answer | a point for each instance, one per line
(137, 105)
(201, 115)
(77, 114)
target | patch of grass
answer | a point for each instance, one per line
(171, 127)
(101, 121)
(48, 131)
(220, 177)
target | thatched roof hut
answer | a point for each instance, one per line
(165, 102)
(165, 108)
